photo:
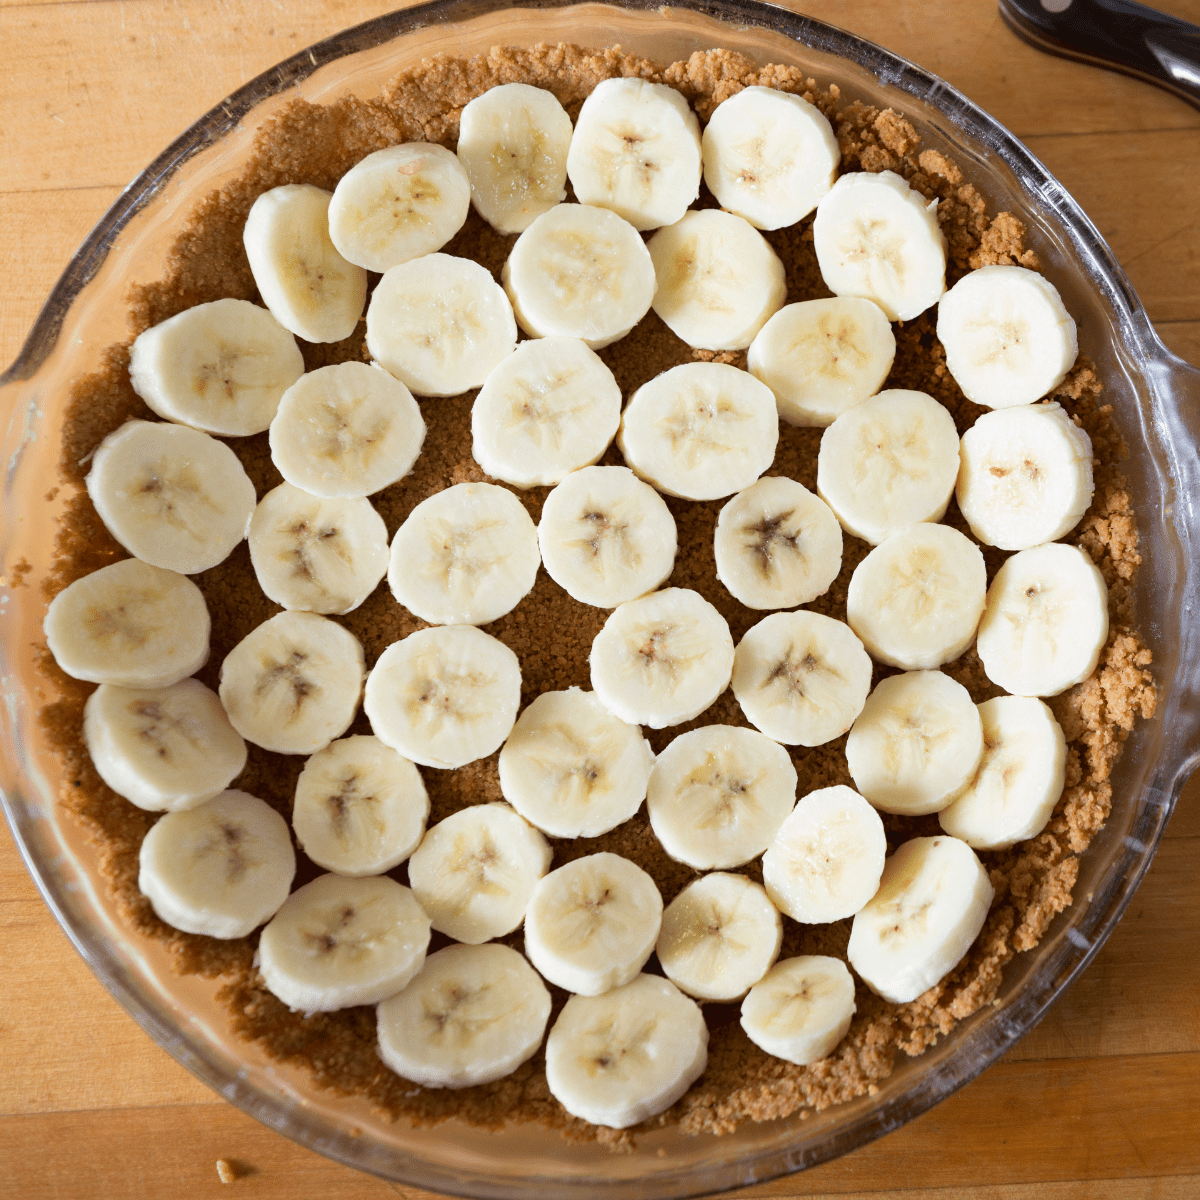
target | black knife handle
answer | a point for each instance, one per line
(1118, 34)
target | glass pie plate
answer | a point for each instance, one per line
(1157, 401)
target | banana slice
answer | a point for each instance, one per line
(801, 1010)
(800, 677)
(309, 288)
(473, 1015)
(440, 324)
(398, 204)
(663, 659)
(548, 409)
(220, 869)
(888, 463)
(917, 743)
(718, 279)
(573, 769)
(444, 697)
(218, 367)
(130, 624)
(822, 357)
(1008, 337)
(172, 496)
(877, 238)
(700, 431)
(339, 942)
(579, 271)
(163, 748)
(931, 904)
(719, 937)
(474, 872)
(292, 684)
(316, 554)
(360, 808)
(718, 795)
(606, 537)
(465, 556)
(592, 924)
(513, 142)
(916, 599)
(1019, 780)
(346, 430)
(769, 156)
(777, 545)
(620, 1058)
(1024, 476)
(636, 151)
(827, 858)
(1046, 621)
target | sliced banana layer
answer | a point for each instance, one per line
(636, 151)
(822, 357)
(1008, 337)
(130, 624)
(292, 684)
(309, 288)
(548, 409)
(398, 204)
(719, 937)
(917, 743)
(827, 857)
(800, 677)
(316, 554)
(1024, 476)
(172, 496)
(769, 156)
(916, 599)
(220, 869)
(165, 748)
(931, 904)
(513, 142)
(718, 795)
(360, 808)
(1019, 780)
(700, 431)
(592, 924)
(579, 271)
(465, 556)
(663, 659)
(877, 238)
(1046, 621)
(346, 430)
(219, 367)
(573, 769)
(606, 537)
(473, 1015)
(888, 463)
(444, 697)
(440, 324)
(474, 872)
(620, 1058)
(777, 545)
(339, 942)
(801, 1010)
(718, 279)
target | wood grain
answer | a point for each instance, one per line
(1097, 1103)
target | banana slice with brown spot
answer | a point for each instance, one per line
(292, 684)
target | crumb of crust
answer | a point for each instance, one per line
(1033, 880)
(16, 577)
(225, 1171)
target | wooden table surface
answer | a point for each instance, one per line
(1102, 1101)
